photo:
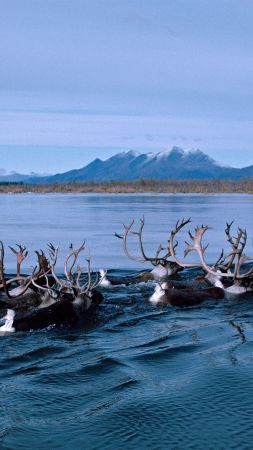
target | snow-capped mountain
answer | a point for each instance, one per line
(174, 164)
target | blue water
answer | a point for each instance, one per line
(135, 376)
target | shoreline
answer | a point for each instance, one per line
(244, 186)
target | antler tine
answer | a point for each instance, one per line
(21, 249)
(197, 246)
(2, 274)
(46, 288)
(205, 247)
(227, 231)
(189, 247)
(97, 281)
(162, 258)
(79, 274)
(43, 262)
(53, 253)
(175, 245)
(51, 246)
(47, 282)
(191, 235)
(241, 242)
(2, 264)
(155, 261)
(6, 283)
(247, 274)
(124, 237)
(21, 255)
(244, 238)
(119, 236)
(74, 253)
(235, 243)
(242, 258)
(238, 249)
(178, 227)
(89, 286)
(38, 286)
(221, 260)
(159, 250)
(86, 288)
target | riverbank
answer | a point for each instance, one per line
(139, 186)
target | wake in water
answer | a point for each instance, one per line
(132, 374)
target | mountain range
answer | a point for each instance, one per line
(175, 164)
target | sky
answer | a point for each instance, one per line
(81, 79)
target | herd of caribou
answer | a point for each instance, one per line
(44, 298)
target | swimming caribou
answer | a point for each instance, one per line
(221, 278)
(163, 266)
(228, 275)
(44, 298)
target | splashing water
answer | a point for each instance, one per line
(9, 319)
(104, 282)
(159, 293)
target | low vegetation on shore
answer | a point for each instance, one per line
(138, 186)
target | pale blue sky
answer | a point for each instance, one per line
(81, 79)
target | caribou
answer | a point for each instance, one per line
(163, 267)
(44, 298)
(220, 279)
(229, 272)
(226, 276)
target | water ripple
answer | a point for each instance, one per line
(136, 376)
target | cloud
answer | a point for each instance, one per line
(115, 131)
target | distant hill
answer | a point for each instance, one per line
(15, 178)
(174, 164)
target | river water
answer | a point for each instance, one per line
(136, 375)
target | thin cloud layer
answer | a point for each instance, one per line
(131, 74)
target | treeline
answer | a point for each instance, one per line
(138, 186)
(11, 183)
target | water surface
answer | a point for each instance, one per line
(135, 376)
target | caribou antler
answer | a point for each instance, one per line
(249, 273)
(21, 255)
(73, 274)
(6, 283)
(196, 245)
(74, 253)
(39, 277)
(172, 245)
(53, 253)
(88, 286)
(238, 244)
(43, 262)
(155, 261)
